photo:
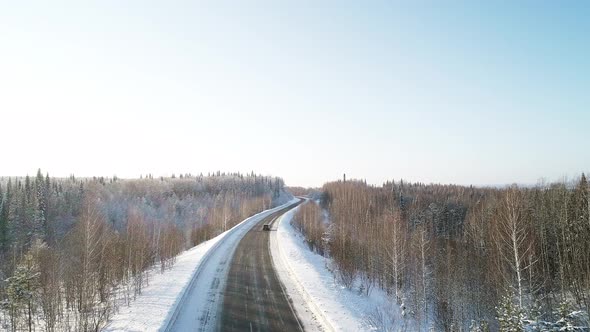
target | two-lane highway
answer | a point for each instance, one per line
(236, 287)
(254, 299)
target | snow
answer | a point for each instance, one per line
(319, 300)
(188, 294)
(152, 306)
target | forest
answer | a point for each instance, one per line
(74, 249)
(456, 258)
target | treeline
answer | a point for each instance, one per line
(72, 250)
(309, 221)
(462, 258)
(301, 191)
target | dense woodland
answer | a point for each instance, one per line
(72, 250)
(457, 258)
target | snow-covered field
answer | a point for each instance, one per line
(190, 286)
(320, 301)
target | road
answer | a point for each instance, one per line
(235, 287)
(253, 297)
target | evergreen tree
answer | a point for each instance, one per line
(28, 190)
(5, 213)
(4, 206)
(510, 316)
(49, 234)
(22, 290)
(41, 209)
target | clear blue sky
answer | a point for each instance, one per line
(453, 92)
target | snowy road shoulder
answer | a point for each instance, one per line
(149, 311)
(309, 315)
(319, 300)
(193, 275)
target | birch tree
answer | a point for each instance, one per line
(396, 250)
(512, 238)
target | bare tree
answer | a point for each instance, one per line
(395, 239)
(513, 238)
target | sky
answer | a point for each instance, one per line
(466, 92)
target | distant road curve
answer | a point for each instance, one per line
(254, 298)
(237, 288)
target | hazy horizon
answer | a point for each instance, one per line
(567, 179)
(468, 93)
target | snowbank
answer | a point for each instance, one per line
(186, 286)
(320, 301)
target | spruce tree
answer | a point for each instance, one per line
(22, 289)
(510, 315)
(47, 196)
(28, 190)
(5, 217)
(4, 206)
(41, 208)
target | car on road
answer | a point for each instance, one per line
(266, 227)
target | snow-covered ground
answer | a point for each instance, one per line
(319, 299)
(190, 285)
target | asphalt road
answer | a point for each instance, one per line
(254, 299)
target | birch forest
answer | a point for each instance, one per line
(74, 249)
(456, 258)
